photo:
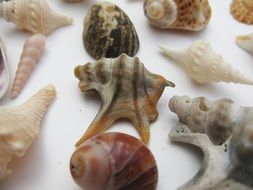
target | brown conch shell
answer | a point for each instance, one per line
(242, 10)
(123, 162)
(127, 90)
(224, 132)
(32, 51)
(33, 15)
(19, 126)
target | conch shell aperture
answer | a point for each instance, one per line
(127, 90)
(19, 126)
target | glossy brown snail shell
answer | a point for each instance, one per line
(114, 161)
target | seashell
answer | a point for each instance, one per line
(127, 90)
(4, 72)
(123, 162)
(245, 42)
(32, 51)
(19, 126)
(242, 10)
(203, 65)
(174, 14)
(108, 32)
(223, 130)
(33, 15)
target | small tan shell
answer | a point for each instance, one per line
(123, 162)
(242, 10)
(33, 15)
(32, 51)
(19, 126)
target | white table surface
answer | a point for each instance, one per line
(46, 164)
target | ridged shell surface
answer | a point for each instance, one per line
(19, 126)
(127, 90)
(178, 14)
(108, 32)
(224, 132)
(123, 162)
(242, 10)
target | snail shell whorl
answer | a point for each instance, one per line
(114, 161)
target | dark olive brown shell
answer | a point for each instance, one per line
(114, 161)
(108, 32)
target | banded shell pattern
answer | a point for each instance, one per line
(123, 161)
(242, 10)
(108, 32)
(127, 90)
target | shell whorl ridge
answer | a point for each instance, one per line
(19, 126)
(178, 14)
(204, 65)
(245, 42)
(123, 162)
(127, 90)
(242, 10)
(32, 51)
(108, 32)
(33, 15)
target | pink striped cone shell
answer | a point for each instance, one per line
(32, 51)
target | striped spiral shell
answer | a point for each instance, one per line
(113, 161)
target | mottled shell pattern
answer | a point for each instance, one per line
(127, 90)
(242, 10)
(19, 126)
(204, 65)
(245, 42)
(123, 162)
(33, 15)
(4, 71)
(108, 32)
(178, 14)
(32, 51)
(224, 132)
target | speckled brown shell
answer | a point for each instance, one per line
(108, 32)
(123, 162)
(242, 10)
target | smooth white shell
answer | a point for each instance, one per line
(245, 42)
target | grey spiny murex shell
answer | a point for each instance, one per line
(224, 132)
(108, 32)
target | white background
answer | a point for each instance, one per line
(46, 164)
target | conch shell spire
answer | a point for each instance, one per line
(204, 65)
(33, 15)
(19, 126)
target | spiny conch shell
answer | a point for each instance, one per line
(4, 72)
(204, 65)
(19, 126)
(245, 42)
(33, 15)
(123, 162)
(108, 32)
(127, 90)
(224, 132)
(242, 10)
(32, 51)
(184, 14)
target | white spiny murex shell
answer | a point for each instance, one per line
(204, 65)
(184, 14)
(224, 132)
(245, 42)
(114, 161)
(4, 72)
(33, 15)
(32, 51)
(19, 126)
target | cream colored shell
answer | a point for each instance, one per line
(204, 65)
(19, 126)
(33, 15)
(179, 14)
(32, 51)
(242, 10)
(245, 42)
